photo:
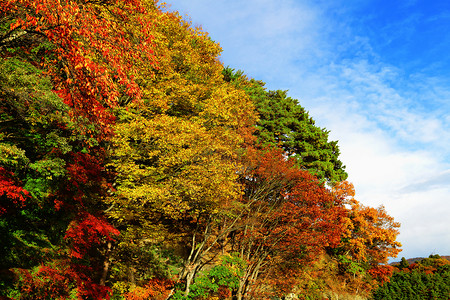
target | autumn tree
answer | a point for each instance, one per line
(289, 218)
(65, 63)
(83, 48)
(46, 176)
(175, 154)
(368, 241)
(358, 263)
(32, 121)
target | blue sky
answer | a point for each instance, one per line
(374, 73)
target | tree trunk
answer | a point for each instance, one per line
(106, 265)
(170, 294)
(131, 275)
(239, 293)
(190, 277)
(242, 287)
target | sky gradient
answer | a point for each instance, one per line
(374, 73)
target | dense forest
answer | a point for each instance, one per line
(135, 165)
(428, 278)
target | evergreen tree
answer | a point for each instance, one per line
(285, 123)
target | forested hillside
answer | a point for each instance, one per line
(428, 278)
(135, 165)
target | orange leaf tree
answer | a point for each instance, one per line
(82, 45)
(367, 243)
(290, 217)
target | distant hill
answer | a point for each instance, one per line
(416, 259)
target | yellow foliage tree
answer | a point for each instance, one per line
(175, 152)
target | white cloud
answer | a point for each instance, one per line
(424, 218)
(395, 155)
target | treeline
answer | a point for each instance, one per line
(134, 165)
(427, 279)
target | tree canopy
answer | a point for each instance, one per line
(133, 165)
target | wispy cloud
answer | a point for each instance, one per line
(437, 181)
